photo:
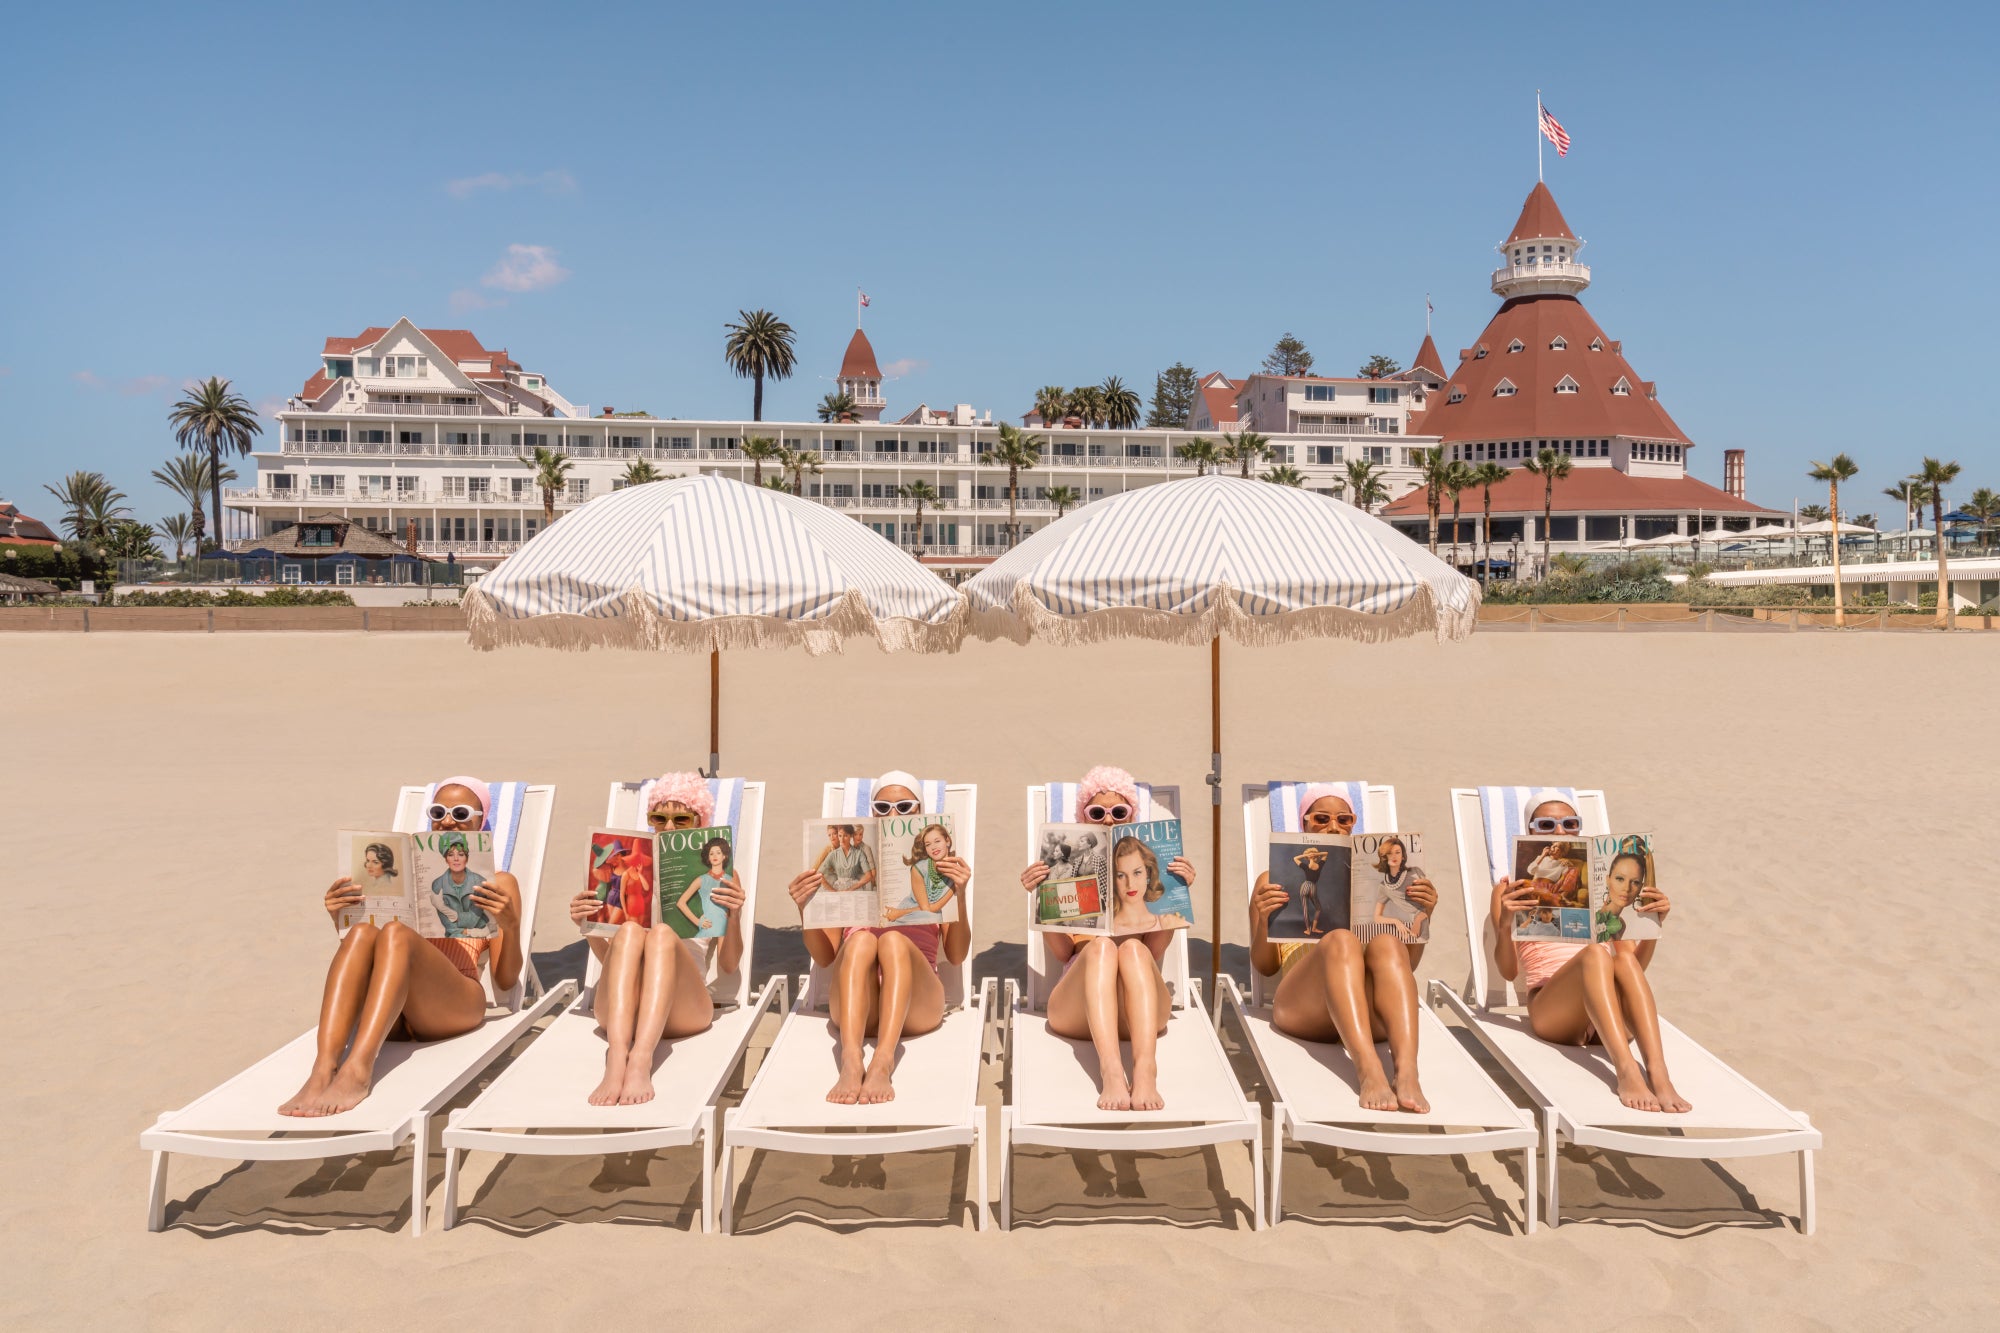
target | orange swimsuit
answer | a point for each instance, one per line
(462, 954)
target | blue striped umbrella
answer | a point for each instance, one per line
(1192, 560)
(704, 563)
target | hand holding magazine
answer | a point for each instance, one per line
(425, 880)
(1110, 880)
(897, 870)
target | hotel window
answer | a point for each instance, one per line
(1514, 346)
(405, 367)
(375, 486)
(1504, 389)
(532, 381)
(579, 490)
(451, 488)
(1565, 385)
(1558, 344)
(479, 488)
(372, 436)
(1378, 454)
(532, 441)
(680, 442)
(409, 437)
(1622, 388)
(1384, 426)
(368, 366)
(1597, 344)
(722, 441)
(524, 488)
(1377, 394)
(1413, 458)
(626, 442)
(1319, 393)
(1328, 453)
(580, 441)
(1457, 396)
(1479, 354)
(408, 488)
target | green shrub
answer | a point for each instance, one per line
(279, 596)
(1625, 581)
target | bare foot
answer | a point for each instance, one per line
(1117, 1094)
(1632, 1090)
(1409, 1093)
(848, 1090)
(606, 1093)
(308, 1096)
(1376, 1094)
(1670, 1101)
(1146, 1087)
(875, 1086)
(638, 1086)
(348, 1090)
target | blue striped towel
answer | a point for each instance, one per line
(1062, 803)
(1286, 817)
(856, 793)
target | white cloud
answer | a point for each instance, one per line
(556, 181)
(909, 365)
(527, 268)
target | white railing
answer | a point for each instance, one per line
(426, 410)
(1563, 269)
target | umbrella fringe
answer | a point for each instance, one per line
(638, 624)
(1225, 616)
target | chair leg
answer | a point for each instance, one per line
(1551, 1201)
(420, 1160)
(979, 1126)
(708, 1172)
(728, 1174)
(1806, 1192)
(1006, 1168)
(1528, 1188)
(156, 1194)
(1277, 1162)
(452, 1157)
(1258, 1204)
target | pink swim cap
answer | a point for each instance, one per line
(477, 788)
(684, 789)
(1107, 780)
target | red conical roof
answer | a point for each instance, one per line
(1539, 217)
(859, 363)
(1428, 358)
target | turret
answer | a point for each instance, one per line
(1540, 254)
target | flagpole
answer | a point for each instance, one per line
(1538, 135)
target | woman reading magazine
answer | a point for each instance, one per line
(1579, 992)
(1111, 988)
(1336, 988)
(390, 982)
(885, 981)
(654, 984)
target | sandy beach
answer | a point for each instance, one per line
(1825, 807)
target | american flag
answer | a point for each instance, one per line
(1553, 131)
(864, 295)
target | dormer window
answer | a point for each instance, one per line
(1514, 346)
(1479, 352)
(1623, 388)
(1558, 344)
(1565, 385)
(1504, 389)
(1597, 344)
(1457, 396)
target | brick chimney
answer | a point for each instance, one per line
(609, 411)
(1732, 473)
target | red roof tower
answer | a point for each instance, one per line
(861, 378)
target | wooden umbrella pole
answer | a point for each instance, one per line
(714, 713)
(1215, 813)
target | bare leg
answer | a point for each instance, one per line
(1643, 1018)
(412, 981)
(911, 1001)
(617, 1006)
(672, 1000)
(1144, 1001)
(339, 1007)
(1333, 991)
(1584, 994)
(1083, 1006)
(852, 1004)
(1392, 988)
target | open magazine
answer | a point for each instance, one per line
(1111, 880)
(623, 879)
(880, 872)
(424, 880)
(1385, 868)
(670, 877)
(1586, 888)
(1358, 882)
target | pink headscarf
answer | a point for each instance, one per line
(1106, 779)
(477, 788)
(683, 789)
(1319, 791)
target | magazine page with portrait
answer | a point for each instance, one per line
(1557, 872)
(1111, 880)
(621, 880)
(1623, 884)
(1386, 866)
(1316, 872)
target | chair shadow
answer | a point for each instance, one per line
(1184, 1188)
(525, 1195)
(894, 1190)
(1341, 1186)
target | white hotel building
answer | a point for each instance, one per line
(405, 425)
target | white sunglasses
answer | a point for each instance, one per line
(457, 814)
(903, 807)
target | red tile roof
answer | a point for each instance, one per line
(1539, 217)
(1535, 410)
(859, 363)
(458, 344)
(17, 529)
(1219, 392)
(1428, 358)
(1594, 489)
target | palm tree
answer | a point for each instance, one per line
(1551, 467)
(1284, 474)
(837, 407)
(776, 482)
(131, 540)
(186, 475)
(1486, 476)
(1087, 402)
(90, 505)
(761, 449)
(179, 529)
(1244, 449)
(1064, 498)
(1984, 506)
(1052, 404)
(1911, 492)
(640, 471)
(1200, 451)
(1458, 477)
(1017, 451)
(797, 464)
(1121, 405)
(919, 493)
(209, 416)
(1935, 476)
(551, 471)
(761, 345)
(1364, 485)
(1431, 470)
(1840, 469)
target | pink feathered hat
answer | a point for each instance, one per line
(1106, 779)
(685, 789)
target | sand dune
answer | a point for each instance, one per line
(1825, 806)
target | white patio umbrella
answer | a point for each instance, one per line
(1192, 560)
(704, 563)
(1825, 526)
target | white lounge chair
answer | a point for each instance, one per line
(1576, 1087)
(412, 1079)
(1053, 1082)
(537, 1106)
(1315, 1091)
(937, 1074)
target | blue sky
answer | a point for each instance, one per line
(1784, 204)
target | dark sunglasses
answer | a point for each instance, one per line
(904, 807)
(1550, 824)
(457, 814)
(1118, 813)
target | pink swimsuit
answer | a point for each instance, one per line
(1542, 959)
(925, 937)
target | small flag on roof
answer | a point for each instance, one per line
(1553, 131)
(864, 298)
